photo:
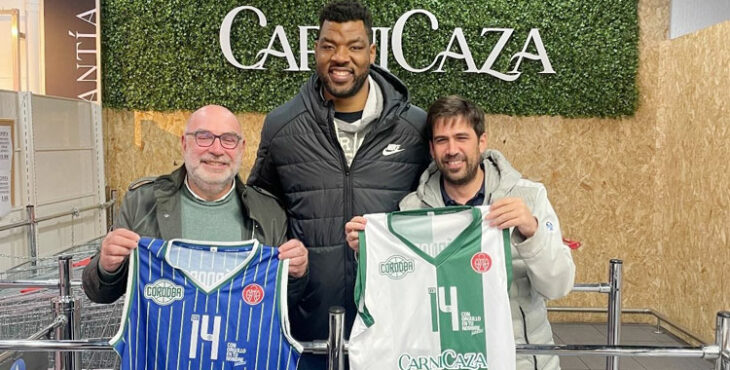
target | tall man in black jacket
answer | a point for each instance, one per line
(349, 143)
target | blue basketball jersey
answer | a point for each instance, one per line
(206, 305)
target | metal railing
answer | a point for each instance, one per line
(32, 221)
(613, 321)
(336, 348)
(68, 347)
(51, 283)
(69, 308)
(660, 319)
(43, 333)
(66, 323)
(613, 289)
(614, 310)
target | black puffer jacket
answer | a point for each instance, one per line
(300, 160)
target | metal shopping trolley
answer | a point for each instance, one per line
(28, 312)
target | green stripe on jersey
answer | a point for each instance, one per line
(460, 299)
(360, 281)
(507, 242)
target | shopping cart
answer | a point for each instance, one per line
(24, 312)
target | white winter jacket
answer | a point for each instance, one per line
(542, 265)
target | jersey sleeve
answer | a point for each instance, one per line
(117, 341)
(282, 281)
(360, 282)
(507, 256)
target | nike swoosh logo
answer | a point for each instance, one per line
(387, 152)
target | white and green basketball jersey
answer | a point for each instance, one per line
(431, 292)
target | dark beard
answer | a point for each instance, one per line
(356, 85)
(471, 173)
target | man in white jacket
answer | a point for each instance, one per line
(464, 172)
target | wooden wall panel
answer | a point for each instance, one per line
(694, 161)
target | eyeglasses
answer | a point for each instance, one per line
(205, 139)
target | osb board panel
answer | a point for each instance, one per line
(600, 175)
(646, 189)
(695, 148)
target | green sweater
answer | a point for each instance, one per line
(220, 220)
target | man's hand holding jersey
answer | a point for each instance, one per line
(298, 256)
(512, 212)
(352, 229)
(115, 247)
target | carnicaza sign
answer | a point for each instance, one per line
(457, 47)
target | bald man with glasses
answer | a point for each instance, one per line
(202, 200)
